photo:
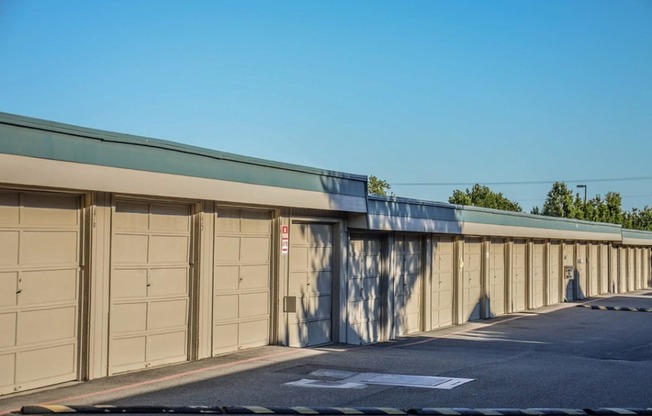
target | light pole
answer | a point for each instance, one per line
(583, 186)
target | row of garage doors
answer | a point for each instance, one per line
(153, 277)
(152, 272)
(473, 279)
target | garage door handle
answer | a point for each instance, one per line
(19, 291)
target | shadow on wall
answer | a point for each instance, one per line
(311, 284)
(389, 301)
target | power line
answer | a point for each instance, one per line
(635, 178)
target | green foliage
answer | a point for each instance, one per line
(482, 196)
(561, 203)
(638, 219)
(377, 186)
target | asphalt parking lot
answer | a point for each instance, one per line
(558, 356)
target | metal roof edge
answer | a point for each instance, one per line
(108, 136)
(478, 215)
(637, 234)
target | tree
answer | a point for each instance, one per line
(482, 196)
(377, 186)
(613, 208)
(561, 203)
(638, 219)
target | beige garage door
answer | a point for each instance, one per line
(363, 305)
(241, 303)
(594, 270)
(622, 270)
(472, 281)
(538, 275)
(568, 288)
(310, 283)
(407, 290)
(39, 289)
(519, 277)
(639, 269)
(497, 278)
(581, 266)
(604, 269)
(442, 283)
(150, 284)
(554, 274)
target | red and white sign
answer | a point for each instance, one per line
(285, 239)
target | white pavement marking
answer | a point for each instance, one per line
(349, 380)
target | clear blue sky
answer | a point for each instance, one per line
(410, 91)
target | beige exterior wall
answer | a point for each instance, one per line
(111, 260)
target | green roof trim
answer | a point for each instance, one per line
(519, 219)
(412, 209)
(30, 137)
(637, 234)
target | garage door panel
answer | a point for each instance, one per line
(166, 346)
(227, 220)
(8, 329)
(363, 288)
(226, 278)
(254, 333)
(314, 308)
(255, 222)
(169, 249)
(255, 249)
(129, 283)
(7, 370)
(299, 259)
(50, 210)
(38, 326)
(320, 282)
(320, 258)
(45, 363)
(9, 248)
(9, 209)
(170, 218)
(311, 333)
(167, 314)
(254, 304)
(364, 310)
(225, 337)
(225, 307)
(227, 249)
(49, 247)
(8, 288)
(297, 283)
(254, 277)
(168, 282)
(46, 286)
(129, 351)
(128, 317)
(131, 215)
(365, 266)
(320, 234)
(128, 249)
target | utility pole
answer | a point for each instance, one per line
(583, 186)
